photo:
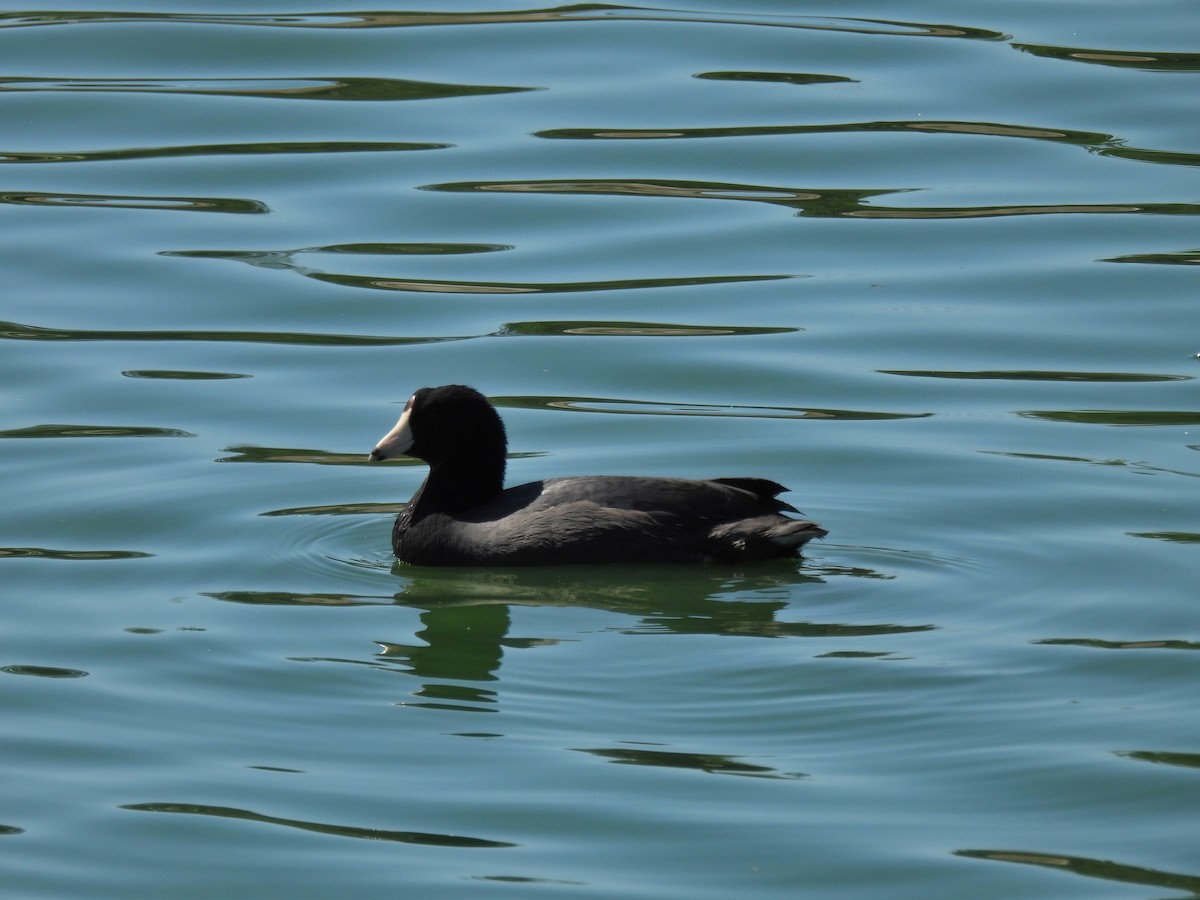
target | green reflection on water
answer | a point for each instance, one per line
(93, 431)
(373, 89)
(351, 831)
(77, 555)
(262, 148)
(1091, 868)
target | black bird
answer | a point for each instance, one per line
(463, 516)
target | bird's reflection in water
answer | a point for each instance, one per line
(466, 615)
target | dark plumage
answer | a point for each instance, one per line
(463, 516)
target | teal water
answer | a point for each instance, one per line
(932, 267)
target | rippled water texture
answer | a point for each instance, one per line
(932, 266)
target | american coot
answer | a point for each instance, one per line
(463, 516)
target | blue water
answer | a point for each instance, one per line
(931, 267)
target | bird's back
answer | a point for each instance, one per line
(607, 519)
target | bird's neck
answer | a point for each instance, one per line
(458, 484)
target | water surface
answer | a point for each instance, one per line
(931, 267)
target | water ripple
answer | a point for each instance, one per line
(44, 671)
(572, 13)
(1115, 416)
(585, 328)
(1163, 757)
(555, 328)
(776, 77)
(802, 198)
(255, 454)
(272, 148)
(297, 598)
(335, 509)
(712, 763)
(85, 555)
(182, 375)
(372, 834)
(823, 203)
(1104, 869)
(1140, 468)
(92, 431)
(1154, 61)
(994, 129)
(18, 332)
(285, 260)
(513, 287)
(1057, 209)
(121, 201)
(270, 88)
(1036, 375)
(1096, 142)
(1173, 537)
(666, 408)
(1179, 258)
(1099, 644)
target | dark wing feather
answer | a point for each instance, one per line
(596, 519)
